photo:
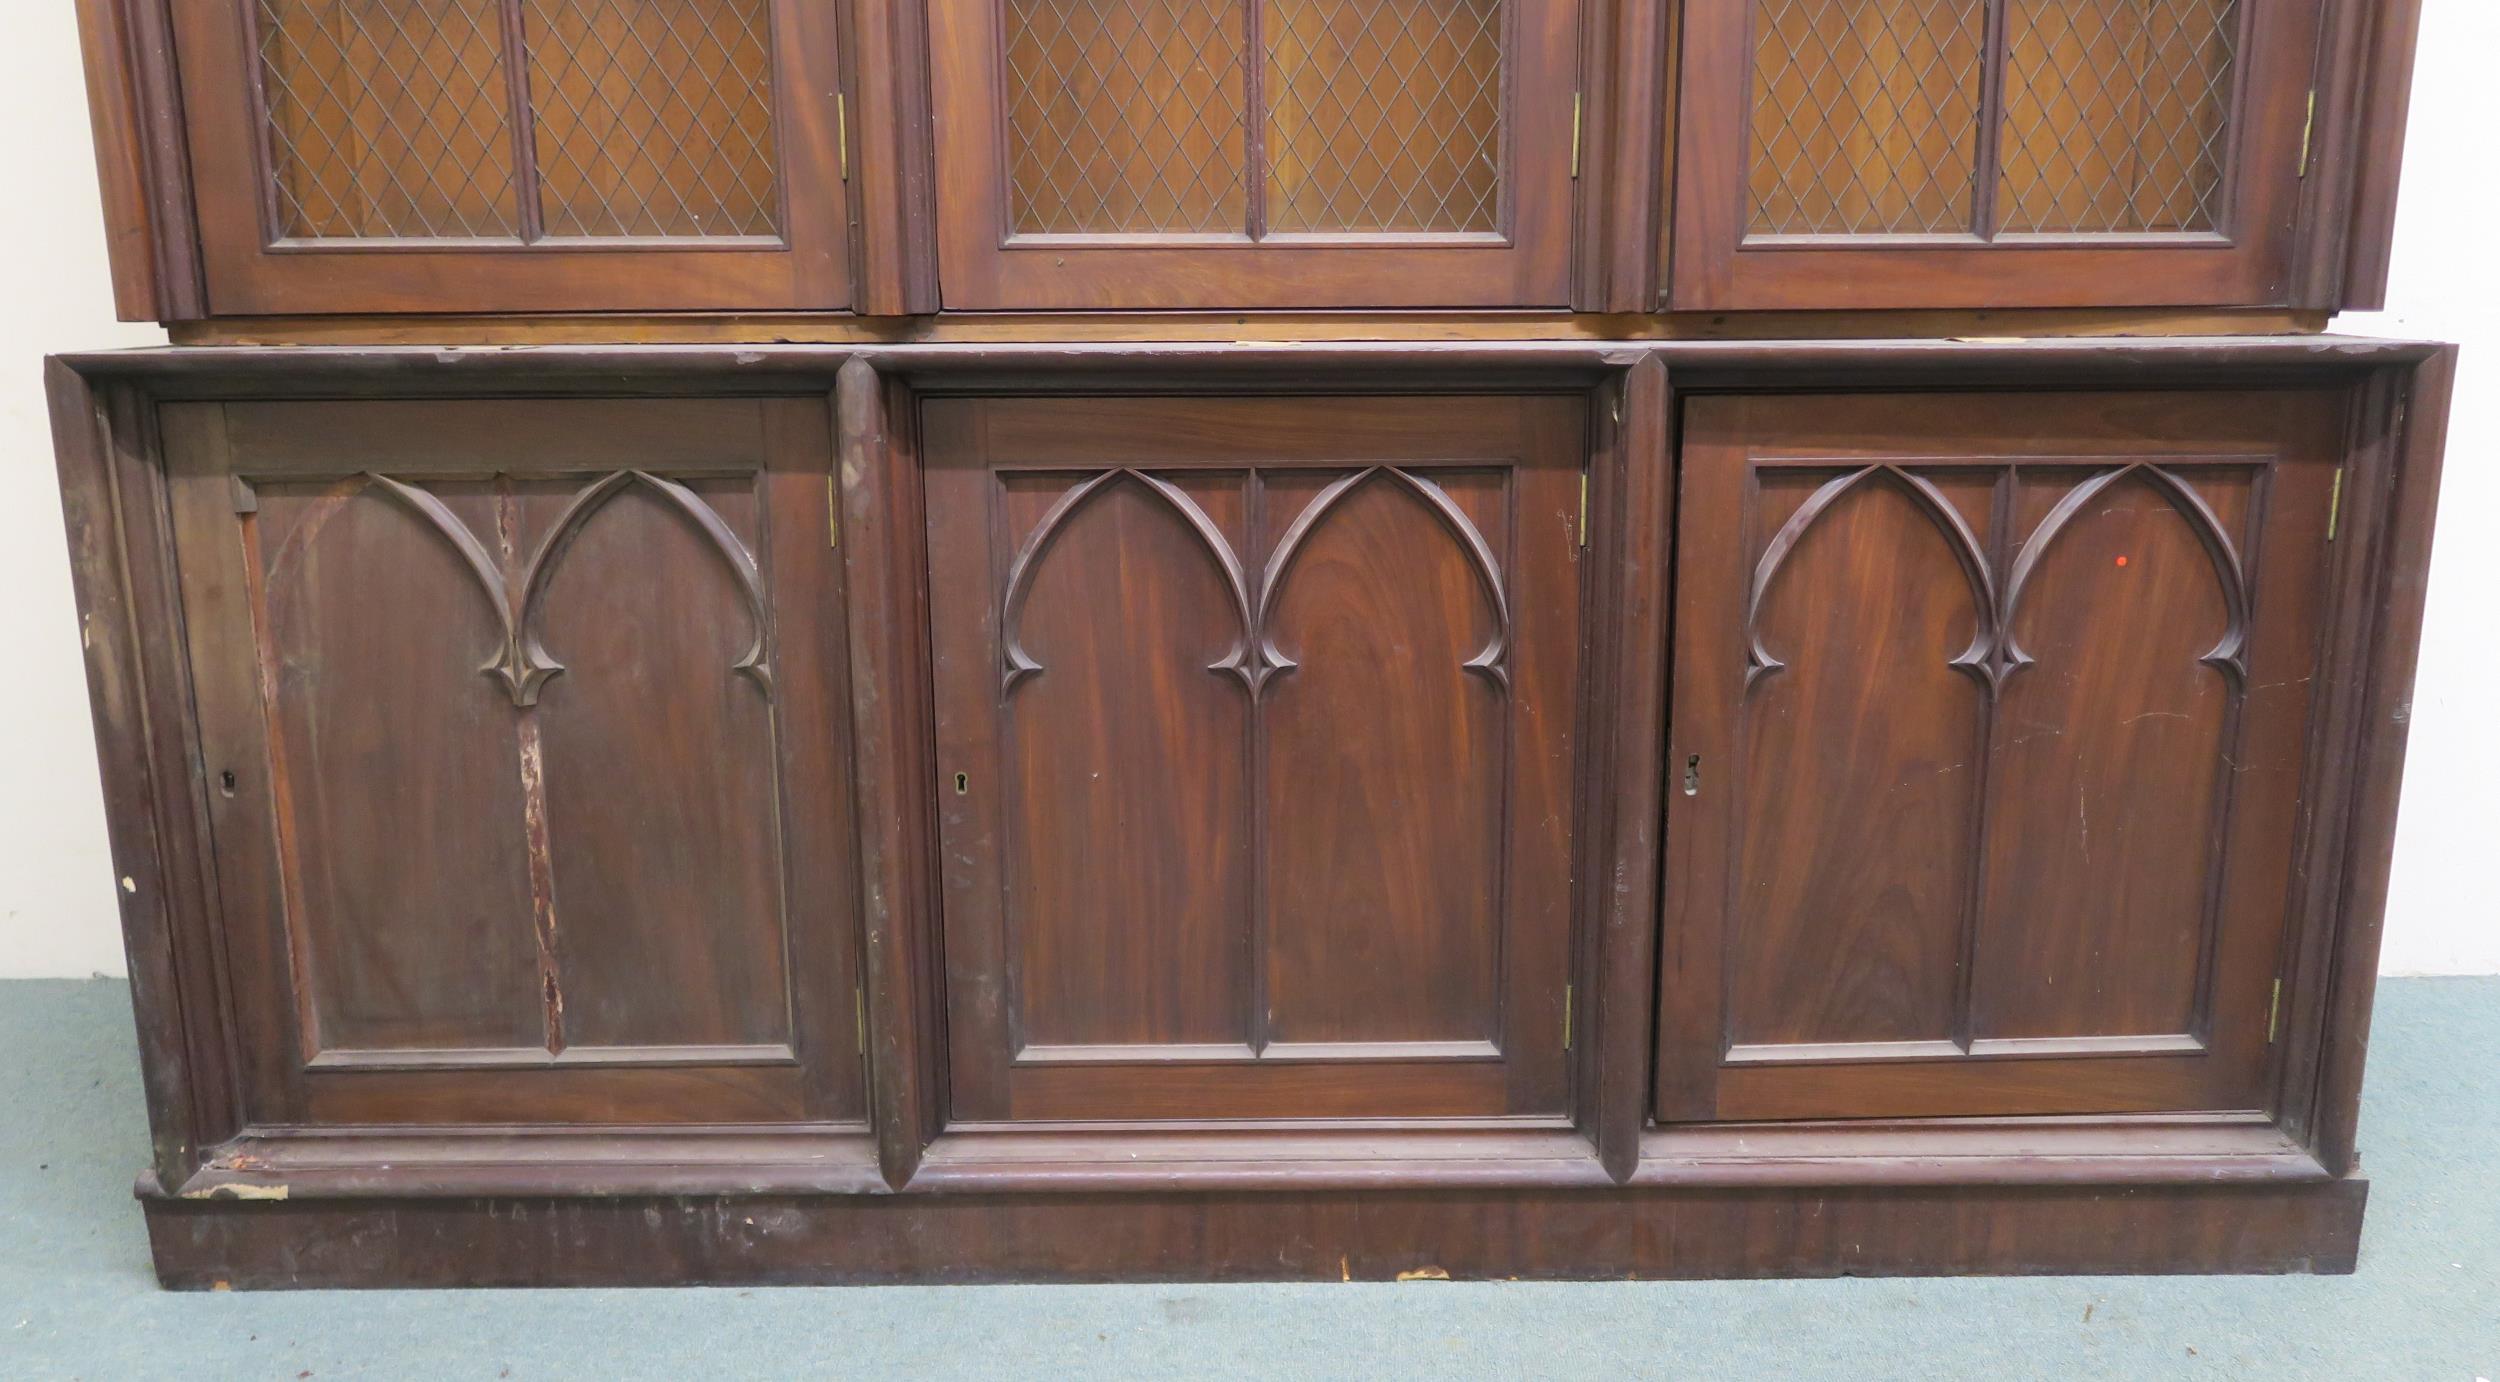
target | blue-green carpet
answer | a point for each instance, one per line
(77, 1299)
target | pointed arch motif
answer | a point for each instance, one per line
(510, 659)
(1017, 663)
(1491, 661)
(1254, 659)
(2229, 655)
(522, 663)
(1978, 660)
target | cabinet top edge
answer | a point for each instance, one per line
(781, 365)
(1228, 327)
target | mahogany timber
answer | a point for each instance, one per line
(1380, 1235)
(1282, 327)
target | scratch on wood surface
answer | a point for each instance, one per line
(541, 873)
(237, 1192)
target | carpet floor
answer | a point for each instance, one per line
(77, 1299)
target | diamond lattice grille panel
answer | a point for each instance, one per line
(1384, 116)
(653, 117)
(1126, 116)
(387, 118)
(1866, 116)
(2117, 114)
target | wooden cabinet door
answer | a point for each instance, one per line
(1989, 731)
(1255, 747)
(524, 741)
(1254, 153)
(515, 155)
(1990, 153)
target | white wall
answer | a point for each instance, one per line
(56, 879)
(2442, 917)
(57, 914)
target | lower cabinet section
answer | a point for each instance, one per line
(1222, 813)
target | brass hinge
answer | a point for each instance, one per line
(2274, 1012)
(2308, 128)
(833, 512)
(1566, 1017)
(859, 1010)
(2335, 505)
(1584, 508)
(842, 131)
(1575, 134)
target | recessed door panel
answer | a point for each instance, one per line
(522, 731)
(1384, 759)
(1255, 724)
(1991, 712)
(396, 950)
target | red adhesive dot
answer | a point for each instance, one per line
(2122, 561)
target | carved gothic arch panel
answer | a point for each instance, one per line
(1975, 660)
(2229, 652)
(523, 663)
(1491, 661)
(1018, 664)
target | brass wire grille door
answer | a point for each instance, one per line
(1264, 126)
(521, 119)
(548, 146)
(1362, 116)
(1987, 117)
(2165, 129)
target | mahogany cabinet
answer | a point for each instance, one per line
(828, 640)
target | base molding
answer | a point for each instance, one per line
(1638, 1232)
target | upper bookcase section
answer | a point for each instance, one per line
(281, 157)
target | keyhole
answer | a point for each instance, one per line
(225, 782)
(963, 783)
(1692, 776)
